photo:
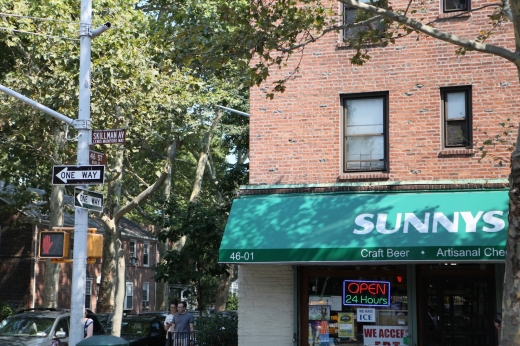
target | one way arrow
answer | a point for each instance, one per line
(77, 175)
(90, 200)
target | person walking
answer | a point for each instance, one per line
(168, 327)
(88, 326)
(183, 326)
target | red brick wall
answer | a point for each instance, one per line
(296, 138)
(16, 262)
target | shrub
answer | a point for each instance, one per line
(5, 311)
(217, 329)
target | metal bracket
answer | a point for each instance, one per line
(85, 30)
(81, 124)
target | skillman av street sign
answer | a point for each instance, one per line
(78, 175)
(88, 200)
(108, 136)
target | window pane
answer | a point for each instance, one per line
(456, 105)
(365, 116)
(457, 133)
(362, 150)
(456, 5)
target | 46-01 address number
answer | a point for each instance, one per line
(242, 256)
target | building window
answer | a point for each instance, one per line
(129, 304)
(365, 132)
(146, 295)
(146, 254)
(456, 113)
(88, 294)
(455, 5)
(133, 253)
(351, 15)
(174, 291)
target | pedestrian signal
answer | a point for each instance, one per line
(94, 244)
(53, 244)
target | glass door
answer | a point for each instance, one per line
(457, 311)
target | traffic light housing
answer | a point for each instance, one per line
(94, 244)
(53, 244)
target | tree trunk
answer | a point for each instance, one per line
(52, 270)
(109, 266)
(161, 298)
(120, 288)
(161, 295)
(511, 297)
(224, 283)
(105, 302)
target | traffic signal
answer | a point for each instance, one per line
(53, 244)
(94, 244)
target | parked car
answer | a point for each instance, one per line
(38, 326)
(105, 319)
(143, 330)
(155, 313)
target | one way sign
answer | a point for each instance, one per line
(88, 200)
(78, 175)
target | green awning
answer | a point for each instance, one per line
(358, 227)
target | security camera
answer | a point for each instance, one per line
(98, 31)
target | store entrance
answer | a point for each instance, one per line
(457, 311)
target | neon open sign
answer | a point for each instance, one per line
(366, 293)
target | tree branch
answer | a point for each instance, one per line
(440, 35)
(143, 195)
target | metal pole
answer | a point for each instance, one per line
(79, 264)
(36, 105)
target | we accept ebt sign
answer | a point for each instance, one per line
(385, 335)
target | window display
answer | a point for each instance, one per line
(358, 310)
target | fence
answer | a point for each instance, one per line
(217, 338)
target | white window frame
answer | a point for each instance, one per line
(129, 292)
(133, 252)
(146, 254)
(146, 295)
(88, 294)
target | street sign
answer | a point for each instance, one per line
(108, 136)
(88, 200)
(78, 175)
(95, 158)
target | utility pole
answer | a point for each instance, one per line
(79, 263)
(82, 125)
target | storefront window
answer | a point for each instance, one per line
(357, 306)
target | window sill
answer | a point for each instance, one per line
(457, 14)
(356, 176)
(459, 152)
(341, 45)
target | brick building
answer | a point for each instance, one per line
(22, 279)
(373, 215)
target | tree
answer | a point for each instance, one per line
(132, 87)
(273, 31)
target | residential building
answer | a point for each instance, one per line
(375, 214)
(23, 272)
